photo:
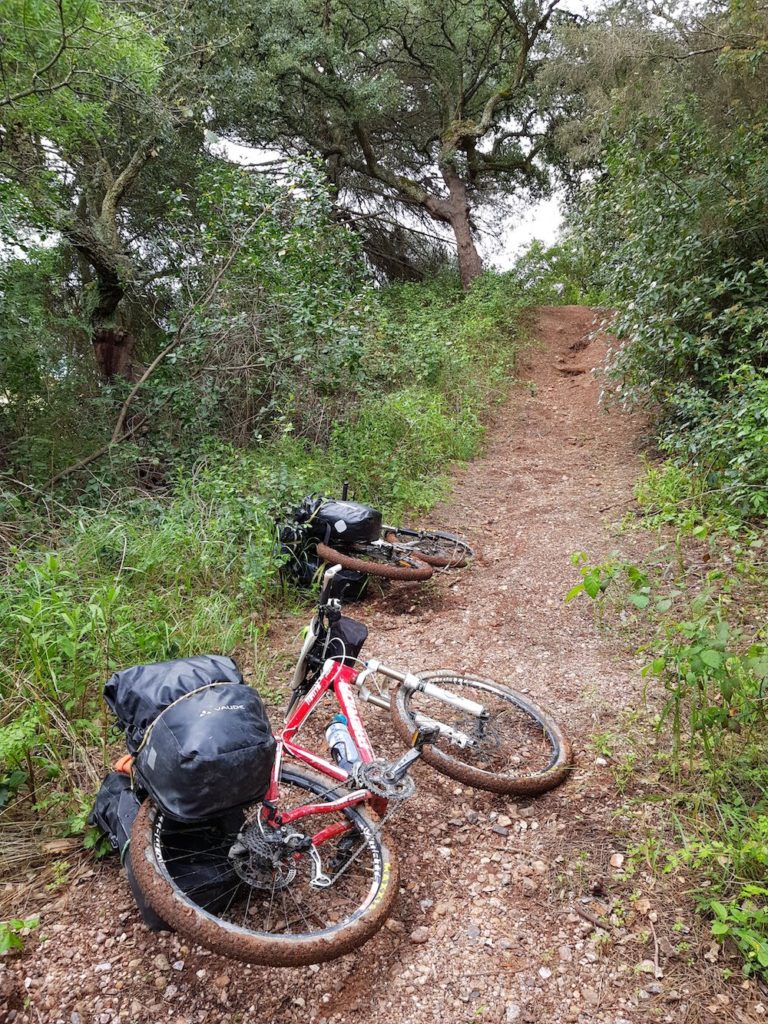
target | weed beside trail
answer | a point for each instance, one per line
(698, 604)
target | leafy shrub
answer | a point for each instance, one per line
(727, 439)
(675, 229)
(555, 275)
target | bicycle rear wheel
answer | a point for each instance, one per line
(517, 749)
(435, 547)
(226, 886)
(388, 560)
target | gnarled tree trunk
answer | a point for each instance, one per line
(113, 344)
(470, 264)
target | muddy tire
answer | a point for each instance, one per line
(222, 933)
(385, 560)
(519, 749)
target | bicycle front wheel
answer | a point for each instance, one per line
(517, 748)
(387, 560)
(226, 886)
(435, 547)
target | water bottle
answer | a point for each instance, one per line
(343, 748)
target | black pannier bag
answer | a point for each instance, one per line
(137, 695)
(345, 522)
(210, 750)
(113, 814)
(302, 565)
(349, 586)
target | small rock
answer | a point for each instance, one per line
(512, 1013)
(221, 980)
(419, 935)
(170, 991)
(394, 926)
(103, 968)
(504, 822)
(178, 965)
(565, 953)
(159, 983)
(601, 761)
(161, 962)
(545, 973)
(617, 860)
(649, 967)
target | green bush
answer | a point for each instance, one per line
(674, 226)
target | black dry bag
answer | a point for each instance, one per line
(211, 750)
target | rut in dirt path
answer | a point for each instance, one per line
(490, 924)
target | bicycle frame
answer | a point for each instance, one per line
(341, 680)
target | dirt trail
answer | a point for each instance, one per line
(505, 896)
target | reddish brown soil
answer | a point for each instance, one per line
(493, 926)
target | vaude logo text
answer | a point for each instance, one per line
(224, 707)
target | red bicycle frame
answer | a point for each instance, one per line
(340, 679)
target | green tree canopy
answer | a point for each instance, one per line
(431, 105)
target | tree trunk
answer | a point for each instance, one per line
(113, 345)
(470, 264)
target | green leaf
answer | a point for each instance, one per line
(713, 659)
(639, 600)
(592, 583)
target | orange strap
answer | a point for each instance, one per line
(124, 764)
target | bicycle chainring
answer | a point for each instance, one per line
(374, 777)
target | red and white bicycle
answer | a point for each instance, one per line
(306, 875)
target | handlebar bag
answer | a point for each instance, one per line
(137, 695)
(210, 750)
(345, 522)
(345, 640)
